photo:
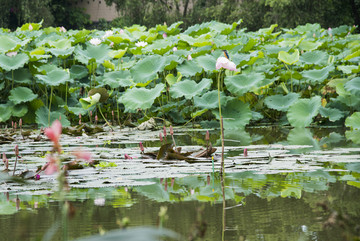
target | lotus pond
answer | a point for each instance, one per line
(293, 184)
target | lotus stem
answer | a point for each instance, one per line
(105, 119)
(51, 92)
(221, 126)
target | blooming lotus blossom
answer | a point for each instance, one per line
(11, 54)
(81, 154)
(95, 41)
(141, 44)
(54, 132)
(62, 29)
(30, 27)
(108, 33)
(121, 31)
(225, 63)
(174, 49)
(112, 44)
(164, 35)
(189, 57)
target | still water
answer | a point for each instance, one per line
(307, 193)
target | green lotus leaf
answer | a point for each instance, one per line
(352, 55)
(147, 68)
(236, 114)
(317, 75)
(62, 43)
(207, 62)
(55, 77)
(76, 110)
(189, 68)
(87, 102)
(281, 102)
(21, 75)
(98, 54)
(115, 79)
(210, 100)
(79, 36)
(300, 114)
(120, 38)
(291, 191)
(348, 69)
(302, 136)
(19, 110)
(5, 112)
(42, 115)
(11, 63)
(243, 83)
(273, 50)
(62, 53)
(8, 44)
(353, 86)
(353, 135)
(34, 26)
(189, 88)
(2, 84)
(78, 72)
(267, 31)
(117, 54)
(21, 94)
(289, 58)
(353, 121)
(301, 29)
(309, 45)
(315, 57)
(331, 113)
(159, 47)
(140, 98)
(198, 113)
(171, 79)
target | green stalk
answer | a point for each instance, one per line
(221, 126)
(105, 118)
(51, 92)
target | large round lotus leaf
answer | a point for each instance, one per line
(21, 94)
(189, 88)
(119, 38)
(352, 55)
(353, 121)
(207, 62)
(119, 78)
(78, 72)
(189, 68)
(159, 47)
(349, 69)
(315, 57)
(331, 113)
(98, 53)
(273, 50)
(62, 53)
(281, 102)
(300, 114)
(353, 135)
(140, 98)
(55, 77)
(11, 63)
(147, 68)
(19, 110)
(289, 58)
(317, 75)
(8, 43)
(117, 54)
(42, 115)
(102, 91)
(242, 83)
(236, 114)
(309, 45)
(62, 43)
(21, 75)
(353, 86)
(210, 100)
(5, 113)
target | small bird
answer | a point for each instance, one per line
(226, 54)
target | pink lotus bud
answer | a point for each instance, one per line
(15, 125)
(314, 35)
(79, 119)
(127, 157)
(171, 130)
(174, 49)
(12, 124)
(141, 147)
(172, 182)
(16, 149)
(207, 136)
(30, 27)
(245, 152)
(160, 136)
(20, 122)
(4, 157)
(51, 166)
(91, 113)
(112, 113)
(121, 31)
(37, 177)
(54, 132)
(189, 57)
(6, 161)
(164, 35)
(96, 119)
(208, 179)
(62, 29)
(164, 131)
(192, 191)
(112, 44)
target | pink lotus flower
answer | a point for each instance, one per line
(95, 41)
(164, 35)
(189, 57)
(51, 166)
(30, 27)
(245, 152)
(54, 132)
(127, 157)
(81, 154)
(62, 29)
(223, 62)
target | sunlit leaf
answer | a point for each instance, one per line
(21, 94)
(207, 62)
(140, 98)
(300, 114)
(289, 58)
(315, 57)
(8, 43)
(98, 53)
(189, 88)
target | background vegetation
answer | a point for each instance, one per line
(255, 13)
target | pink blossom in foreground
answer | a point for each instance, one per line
(164, 35)
(127, 157)
(112, 44)
(223, 62)
(54, 132)
(81, 154)
(11, 54)
(51, 166)
(6, 161)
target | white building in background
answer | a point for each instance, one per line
(97, 9)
